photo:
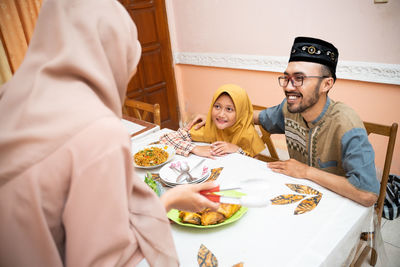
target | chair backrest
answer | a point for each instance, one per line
(142, 110)
(266, 137)
(389, 131)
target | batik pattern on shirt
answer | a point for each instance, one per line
(295, 137)
(336, 141)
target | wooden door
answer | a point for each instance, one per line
(154, 81)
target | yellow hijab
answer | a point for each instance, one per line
(242, 133)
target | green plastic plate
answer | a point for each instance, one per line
(174, 216)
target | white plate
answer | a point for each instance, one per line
(170, 150)
(198, 181)
(168, 175)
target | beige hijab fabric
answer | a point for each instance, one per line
(76, 71)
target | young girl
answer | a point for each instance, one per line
(229, 128)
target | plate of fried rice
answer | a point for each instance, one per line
(153, 156)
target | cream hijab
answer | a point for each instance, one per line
(242, 133)
(76, 70)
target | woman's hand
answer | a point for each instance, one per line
(203, 151)
(221, 148)
(188, 198)
(200, 119)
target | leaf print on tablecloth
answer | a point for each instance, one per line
(215, 174)
(303, 189)
(307, 204)
(205, 258)
(286, 199)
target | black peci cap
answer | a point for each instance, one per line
(315, 50)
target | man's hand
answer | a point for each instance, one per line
(336, 183)
(203, 151)
(290, 167)
(220, 148)
(200, 119)
(256, 115)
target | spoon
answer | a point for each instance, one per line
(191, 179)
(185, 169)
(185, 175)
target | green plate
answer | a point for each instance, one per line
(174, 216)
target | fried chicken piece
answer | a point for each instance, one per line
(208, 217)
(190, 217)
(203, 211)
(212, 217)
(228, 209)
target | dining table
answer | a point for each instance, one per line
(320, 229)
(138, 128)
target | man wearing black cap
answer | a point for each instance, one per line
(326, 140)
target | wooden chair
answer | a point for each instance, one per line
(389, 131)
(266, 137)
(142, 110)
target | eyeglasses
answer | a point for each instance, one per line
(296, 80)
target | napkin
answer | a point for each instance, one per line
(305, 205)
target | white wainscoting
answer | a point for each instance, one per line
(351, 70)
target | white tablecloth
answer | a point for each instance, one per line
(147, 139)
(134, 128)
(274, 236)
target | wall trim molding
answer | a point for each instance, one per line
(350, 70)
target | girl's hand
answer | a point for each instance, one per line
(221, 148)
(203, 151)
(188, 198)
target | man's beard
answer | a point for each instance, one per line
(308, 104)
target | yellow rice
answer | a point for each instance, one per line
(150, 157)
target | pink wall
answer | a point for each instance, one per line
(197, 85)
(362, 30)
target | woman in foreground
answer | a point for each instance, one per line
(68, 193)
